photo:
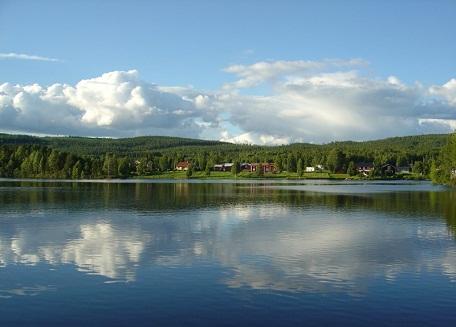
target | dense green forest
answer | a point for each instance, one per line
(443, 169)
(82, 157)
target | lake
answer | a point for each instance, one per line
(227, 253)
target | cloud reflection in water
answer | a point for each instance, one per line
(272, 245)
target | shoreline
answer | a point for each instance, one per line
(201, 176)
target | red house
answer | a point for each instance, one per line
(182, 165)
(265, 166)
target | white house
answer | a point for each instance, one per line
(314, 169)
(404, 169)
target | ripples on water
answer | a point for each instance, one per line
(225, 253)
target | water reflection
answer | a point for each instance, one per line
(95, 248)
(24, 291)
(264, 238)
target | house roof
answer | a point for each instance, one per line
(364, 164)
(183, 164)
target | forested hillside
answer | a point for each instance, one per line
(82, 157)
(97, 146)
(443, 170)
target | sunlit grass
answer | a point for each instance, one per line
(243, 175)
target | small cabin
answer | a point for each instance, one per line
(389, 169)
(218, 167)
(227, 166)
(245, 166)
(223, 167)
(364, 168)
(182, 165)
(310, 169)
(269, 167)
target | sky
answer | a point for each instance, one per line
(265, 72)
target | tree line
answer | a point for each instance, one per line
(39, 160)
(35, 161)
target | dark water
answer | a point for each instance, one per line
(227, 254)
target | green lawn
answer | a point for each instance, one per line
(243, 175)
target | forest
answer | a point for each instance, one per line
(443, 169)
(22, 156)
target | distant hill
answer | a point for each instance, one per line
(415, 143)
(137, 146)
(98, 146)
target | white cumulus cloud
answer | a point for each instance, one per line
(269, 102)
(331, 101)
(114, 104)
(252, 75)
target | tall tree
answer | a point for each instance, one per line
(235, 168)
(76, 170)
(299, 168)
(351, 170)
(164, 163)
(123, 168)
(335, 160)
(189, 172)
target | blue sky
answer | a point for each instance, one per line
(191, 43)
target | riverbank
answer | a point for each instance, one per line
(199, 175)
(242, 175)
(282, 175)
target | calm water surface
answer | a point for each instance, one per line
(221, 253)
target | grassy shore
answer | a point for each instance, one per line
(244, 175)
(281, 175)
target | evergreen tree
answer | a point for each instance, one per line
(335, 160)
(207, 171)
(42, 166)
(235, 168)
(351, 170)
(123, 168)
(291, 163)
(299, 168)
(278, 163)
(163, 163)
(110, 166)
(141, 167)
(54, 162)
(189, 171)
(259, 170)
(76, 170)
(418, 167)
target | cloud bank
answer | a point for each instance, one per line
(272, 102)
(114, 104)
